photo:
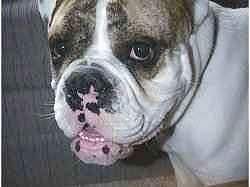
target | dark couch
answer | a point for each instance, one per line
(34, 151)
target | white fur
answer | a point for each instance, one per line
(209, 145)
(101, 41)
(210, 141)
(201, 11)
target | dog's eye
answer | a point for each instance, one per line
(58, 51)
(141, 52)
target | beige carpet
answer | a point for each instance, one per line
(168, 181)
(234, 184)
(163, 181)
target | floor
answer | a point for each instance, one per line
(163, 181)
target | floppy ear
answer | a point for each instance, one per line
(46, 8)
(200, 11)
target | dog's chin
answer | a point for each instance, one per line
(98, 141)
(91, 147)
(107, 137)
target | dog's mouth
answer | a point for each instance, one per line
(92, 147)
(89, 134)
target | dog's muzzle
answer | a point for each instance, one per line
(91, 106)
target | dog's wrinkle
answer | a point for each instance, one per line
(141, 125)
(105, 101)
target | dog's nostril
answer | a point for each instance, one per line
(93, 107)
(77, 146)
(81, 118)
(86, 125)
(105, 150)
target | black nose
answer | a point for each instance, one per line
(80, 82)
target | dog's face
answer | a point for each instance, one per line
(119, 69)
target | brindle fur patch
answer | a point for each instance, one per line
(73, 24)
(167, 22)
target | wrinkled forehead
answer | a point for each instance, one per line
(158, 18)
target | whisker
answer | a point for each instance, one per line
(47, 104)
(46, 115)
(48, 118)
(49, 114)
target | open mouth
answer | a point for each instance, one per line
(90, 135)
(91, 147)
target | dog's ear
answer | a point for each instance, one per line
(200, 11)
(46, 8)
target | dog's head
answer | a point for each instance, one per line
(120, 68)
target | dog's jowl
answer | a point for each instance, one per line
(124, 70)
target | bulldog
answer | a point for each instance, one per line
(123, 71)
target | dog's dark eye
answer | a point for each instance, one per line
(141, 52)
(58, 51)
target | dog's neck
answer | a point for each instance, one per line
(201, 43)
